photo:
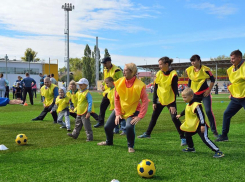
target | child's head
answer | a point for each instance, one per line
(62, 92)
(109, 82)
(187, 94)
(18, 84)
(72, 85)
(83, 83)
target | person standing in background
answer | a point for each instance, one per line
(52, 79)
(3, 82)
(28, 87)
(34, 89)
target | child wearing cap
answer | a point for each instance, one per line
(84, 108)
(62, 103)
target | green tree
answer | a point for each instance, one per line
(87, 69)
(75, 64)
(77, 75)
(30, 55)
(87, 51)
(224, 57)
(146, 80)
(107, 53)
(62, 70)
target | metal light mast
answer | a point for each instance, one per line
(67, 7)
(97, 62)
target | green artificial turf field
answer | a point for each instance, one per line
(51, 155)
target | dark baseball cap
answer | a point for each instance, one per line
(105, 59)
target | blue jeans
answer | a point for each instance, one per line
(122, 127)
(234, 106)
(130, 129)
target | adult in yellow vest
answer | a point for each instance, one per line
(110, 70)
(129, 90)
(166, 89)
(49, 92)
(236, 74)
(198, 75)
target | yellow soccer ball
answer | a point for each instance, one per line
(146, 168)
(21, 139)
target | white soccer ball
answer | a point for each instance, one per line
(115, 180)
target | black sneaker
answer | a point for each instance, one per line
(221, 138)
(189, 150)
(98, 125)
(218, 154)
(36, 119)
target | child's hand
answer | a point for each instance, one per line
(154, 106)
(44, 105)
(87, 115)
(202, 129)
(178, 116)
(51, 112)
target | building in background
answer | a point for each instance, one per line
(17, 68)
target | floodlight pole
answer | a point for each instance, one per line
(67, 7)
(97, 62)
(6, 59)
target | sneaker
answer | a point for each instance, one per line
(123, 133)
(183, 141)
(98, 125)
(68, 129)
(70, 135)
(189, 150)
(221, 138)
(218, 154)
(131, 150)
(116, 132)
(62, 127)
(215, 134)
(144, 135)
(102, 143)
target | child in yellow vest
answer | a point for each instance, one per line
(195, 123)
(110, 84)
(62, 103)
(84, 108)
(72, 95)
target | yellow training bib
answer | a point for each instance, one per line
(62, 103)
(48, 93)
(197, 77)
(237, 79)
(129, 97)
(165, 92)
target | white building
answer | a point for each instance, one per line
(14, 68)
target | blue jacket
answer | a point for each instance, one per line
(4, 101)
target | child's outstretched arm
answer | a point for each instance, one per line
(181, 114)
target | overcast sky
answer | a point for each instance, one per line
(139, 31)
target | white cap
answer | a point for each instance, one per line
(64, 89)
(83, 81)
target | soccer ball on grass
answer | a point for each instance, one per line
(146, 168)
(21, 139)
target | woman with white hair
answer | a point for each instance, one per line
(129, 90)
